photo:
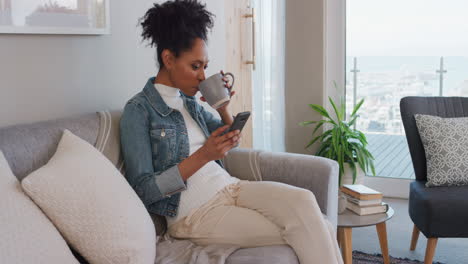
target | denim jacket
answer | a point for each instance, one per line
(154, 140)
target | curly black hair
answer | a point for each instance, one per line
(174, 25)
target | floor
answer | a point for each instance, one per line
(399, 229)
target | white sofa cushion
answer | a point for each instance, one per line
(26, 235)
(92, 205)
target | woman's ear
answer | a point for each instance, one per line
(167, 58)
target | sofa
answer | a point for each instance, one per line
(27, 147)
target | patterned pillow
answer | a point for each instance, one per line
(445, 142)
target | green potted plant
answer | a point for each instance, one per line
(340, 141)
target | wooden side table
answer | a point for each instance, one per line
(349, 220)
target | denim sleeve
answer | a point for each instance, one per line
(136, 150)
(212, 122)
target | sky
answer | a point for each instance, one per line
(407, 27)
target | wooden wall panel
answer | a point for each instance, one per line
(238, 51)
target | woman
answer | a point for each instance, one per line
(173, 149)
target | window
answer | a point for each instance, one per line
(268, 77)
(402, 48)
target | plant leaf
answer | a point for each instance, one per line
(321, 150)
(372, 167)
(312, 141)
(356, 108)
(305, 123)
(362, 137)
(335, 139)
(317, 127)
(368, 154)
(319, 109)
(343, 107)
(353, 169)
(353, 120)
(341, 142)
(337, 113)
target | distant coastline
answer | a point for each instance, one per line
(384, 80)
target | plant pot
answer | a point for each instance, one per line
(347, 177)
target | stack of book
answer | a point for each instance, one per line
(363, 200)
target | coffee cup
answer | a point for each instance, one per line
(214, 90)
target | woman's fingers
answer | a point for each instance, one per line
(226, 146)
(223, 143)
(217, 144)
(219, 131)
(225, 138)
(230, 135)
(226, 82)
(236, 139)
(230, 145)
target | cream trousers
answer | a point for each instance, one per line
(252, 214)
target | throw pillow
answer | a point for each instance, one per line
(445, 142)
(92, 205)
(26, 235)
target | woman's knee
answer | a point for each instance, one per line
(304, 195)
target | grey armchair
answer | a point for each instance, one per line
(437, 211)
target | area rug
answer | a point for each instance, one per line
(364, 258)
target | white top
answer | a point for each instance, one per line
(208, 180)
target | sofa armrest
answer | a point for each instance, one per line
(317, 174)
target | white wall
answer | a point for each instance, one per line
(304, 69)
(314, 59)
(51, 76)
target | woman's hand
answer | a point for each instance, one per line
(217, 145)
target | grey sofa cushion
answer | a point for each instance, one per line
(439, 212)
(264, 255)
(445, 142)
(28, 147)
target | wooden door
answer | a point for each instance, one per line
(240, 59)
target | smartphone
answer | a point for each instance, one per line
(239, 121)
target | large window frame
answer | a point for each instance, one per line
(335, 59)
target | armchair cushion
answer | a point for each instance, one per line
(439, 212)
(445, 143)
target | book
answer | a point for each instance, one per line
(368, 210)
(361, 192)
(361, 203)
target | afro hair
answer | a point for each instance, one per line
(174, 25)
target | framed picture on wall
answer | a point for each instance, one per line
(79, 17)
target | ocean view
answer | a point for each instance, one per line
(384, 80)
